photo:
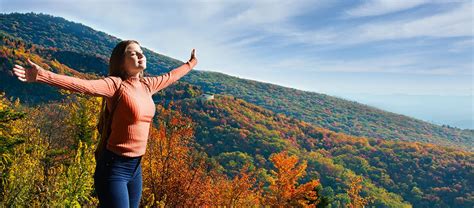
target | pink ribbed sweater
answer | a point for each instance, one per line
(134, 113)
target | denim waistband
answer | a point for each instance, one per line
(108, 152)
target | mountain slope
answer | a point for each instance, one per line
(334, 113)
(422, 174)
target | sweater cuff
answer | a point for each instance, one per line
(42, 75)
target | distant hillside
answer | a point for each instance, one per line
(420, 173)
(334, 113)
(329, 112)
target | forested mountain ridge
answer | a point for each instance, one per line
(420, 173)
(340, 115)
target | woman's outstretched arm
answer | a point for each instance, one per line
(156, 83)
(104, 87)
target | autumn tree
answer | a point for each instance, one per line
(284, 190)
(29, 177)
(174, 174)
(241, 191)
(357, 201)
(18, 171)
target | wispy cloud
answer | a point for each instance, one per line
(455, 23)
(462, 45)
(381, 7)
(268, 11)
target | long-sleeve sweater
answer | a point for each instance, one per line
(133, 115)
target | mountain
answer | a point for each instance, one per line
(248, 120)
(422, 174)
(326, 111)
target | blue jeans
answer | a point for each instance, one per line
(118, 180)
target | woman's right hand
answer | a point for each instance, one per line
(29, 74)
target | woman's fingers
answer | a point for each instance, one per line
(27, 74)
(21, 77)
(20, 72)
(18, 66)
(17, 71)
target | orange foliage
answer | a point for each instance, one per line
(284, 191)
(239, 192)
(172, 175)
(176, 174)
(356, 200)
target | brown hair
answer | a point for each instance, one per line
(117, 59)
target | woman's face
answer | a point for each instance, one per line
(134, 60)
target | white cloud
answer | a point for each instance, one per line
(269, 11)
(381, 7)
(463, 45)
(455, 23)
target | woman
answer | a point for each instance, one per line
(118, 176)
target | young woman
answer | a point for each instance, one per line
(118, 176)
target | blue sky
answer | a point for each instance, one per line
(343, 48)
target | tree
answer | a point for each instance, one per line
(357, 201)
(284, 190)
(174, 173)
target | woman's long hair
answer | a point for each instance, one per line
(116, 68)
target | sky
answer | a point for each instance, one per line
(389, 53)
